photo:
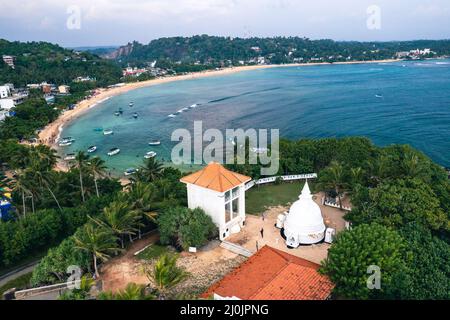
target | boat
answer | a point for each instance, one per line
(67, 139)
(154, 143)
(193, 106)
(131, 104)
(379, 96)
(172, 115)
(69, 157)
(113, 152)
(130, 171)
(183, 110)
(135, 115)
(65, 143)
(150, 155)
(92, 149)
(108, 132)
(120, 110)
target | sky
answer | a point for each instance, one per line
(74, 23)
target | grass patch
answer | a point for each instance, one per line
(259, 199)
(153, 252)
(19, 283)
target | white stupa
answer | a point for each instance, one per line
(304, 222)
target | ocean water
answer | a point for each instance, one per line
(402, 102)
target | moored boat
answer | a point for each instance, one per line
(65, 143)
(108, 132)
(130, 171)
(117, 113)
(172, 115)
(113, 152)
(131, 104)
(154, 143)
(193, 106)
(92, 149)
(69, 157)
(135, 115)
(150, 155)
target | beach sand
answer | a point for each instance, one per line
(51, 133)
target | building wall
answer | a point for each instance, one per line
(7, 104)
(4, 92)
(210, 201)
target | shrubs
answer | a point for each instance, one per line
(185, 228)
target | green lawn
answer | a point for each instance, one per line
(258, 199)
(153, 252)
(19, 283)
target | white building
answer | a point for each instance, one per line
(5, 91)
(221, 194)
(9, 60)
(304, 223)
(64, 89)
(11, 102)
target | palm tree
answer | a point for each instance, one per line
(80, 163)
(97, 168)
(357, 175)
(46, 156)
(22, 186)
(119, 219)
(133, 291)
(98, 241)
(150, 171)
(333, 178)
(44, 179)
(166, 274)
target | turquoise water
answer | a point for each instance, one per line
(405, 102)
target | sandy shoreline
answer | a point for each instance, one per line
(52, 131)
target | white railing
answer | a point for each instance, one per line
(283, 178)
(334, 204)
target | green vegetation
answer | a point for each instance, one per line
(19, 283)
(131, 292)
(153, 252)
(369, 245)
(38, 62)
(260, 198)
(183, 227)
(190, 54)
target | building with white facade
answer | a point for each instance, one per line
(221, 194)
(5, 91)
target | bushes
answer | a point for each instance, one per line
(185, 228)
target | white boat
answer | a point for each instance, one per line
(131, 104)
(135, 115)
(117, 113)
(379, 96)
(108, 132)
(92, 149)
(113, 152)
(65, 143)
(130, 171)
(172, 115)
(69, 157)
(154, 143)
(193, 106)
(183, 110)
(150, 155)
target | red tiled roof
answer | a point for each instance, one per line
(215, 177)
(271, 274)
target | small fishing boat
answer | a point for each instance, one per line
(108, 132)
(193, 106)
(117, 113)
(131, 104)
(69, 157)
(183, 110)
(172, 115)
(113, 152)
(135, 115)
(379, 96)
(65, 143)
(150, 155)
(67, 139)
(130, 171)
(154, 143)
(92, 149)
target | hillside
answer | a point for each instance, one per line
(210, 50)
(36, 62)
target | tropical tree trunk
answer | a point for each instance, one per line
(81, 185)
(23, 205)
(96, 187)
(130, 237)
(97, 275)
(32, 204)
(54, 198)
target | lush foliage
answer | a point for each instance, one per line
(185, 228)
(37, 62)
(354, 252)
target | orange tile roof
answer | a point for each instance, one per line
(271, 274)
(215, 177)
